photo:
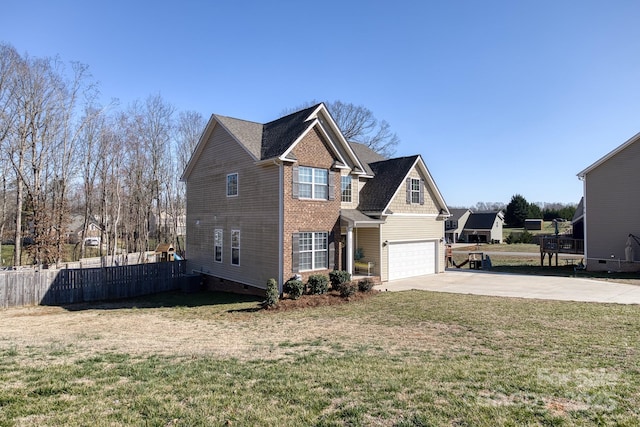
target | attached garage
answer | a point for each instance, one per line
(409, 259)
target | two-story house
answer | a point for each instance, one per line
(294, 197)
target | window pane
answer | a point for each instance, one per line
(218, 253)
(306, 242)
(304, 190)
(235, 256)
(305, 261)
(320, 176)
(305, 175)
(320, 260)
(320, 241)
(322, 191)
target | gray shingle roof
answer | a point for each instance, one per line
(248, 133)
(366, 155)
(481, 221)
(388, 176)
(457, 213)
(272, 139)
(279, 134)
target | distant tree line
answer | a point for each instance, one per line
(519, 209)
(62, 155)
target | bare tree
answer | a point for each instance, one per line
(190, 126)
(358, 124)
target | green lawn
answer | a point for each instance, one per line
(396, 359)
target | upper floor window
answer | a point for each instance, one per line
(232, 184)
(345, 188)
(415, 191)
(312, 183)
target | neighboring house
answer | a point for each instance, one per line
(293, 197)
(76, 225)
(610, 209)
(483, 227)
(454, 225)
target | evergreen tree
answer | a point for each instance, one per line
(517, 211)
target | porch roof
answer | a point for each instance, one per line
(355, 218)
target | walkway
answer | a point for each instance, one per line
(465, 281)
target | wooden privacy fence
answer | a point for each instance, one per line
(71, 286)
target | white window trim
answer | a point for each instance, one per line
(237, 184)
(415, 193)
(313, 250)
(313, 182)
(238, 247)
(350, 189)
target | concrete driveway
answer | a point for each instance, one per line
(519, 286)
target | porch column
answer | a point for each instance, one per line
(350, 250)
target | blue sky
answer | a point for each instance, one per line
(499, 97)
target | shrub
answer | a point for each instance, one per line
(294, 288)
(348, 289)
(338, 277)
(365, 285)
(318, 284)
(524, 237)
(272, 294)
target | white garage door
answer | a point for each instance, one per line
(411, 259)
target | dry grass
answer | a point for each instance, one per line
(395, 359)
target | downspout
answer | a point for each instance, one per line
(583, 178)
(280, 226)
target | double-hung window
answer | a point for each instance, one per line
(415, 190)
(313, 251)
(313, 183)
(232, 184)
(345, 188)
(217, 244)
(235, 247)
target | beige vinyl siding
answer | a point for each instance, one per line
(612, 203)
(399, 203)
(254, 212)
(367, 240)
(408, 229)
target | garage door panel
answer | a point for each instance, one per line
(411, 259)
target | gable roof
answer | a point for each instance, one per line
(388, 175)
(482, 220)
(278, 135)
(248, 134)
(366, 155)
(457, 213)
(276, 139)
(606, 157)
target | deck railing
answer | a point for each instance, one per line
(563, 245)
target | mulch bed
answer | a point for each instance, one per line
(310, 301)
